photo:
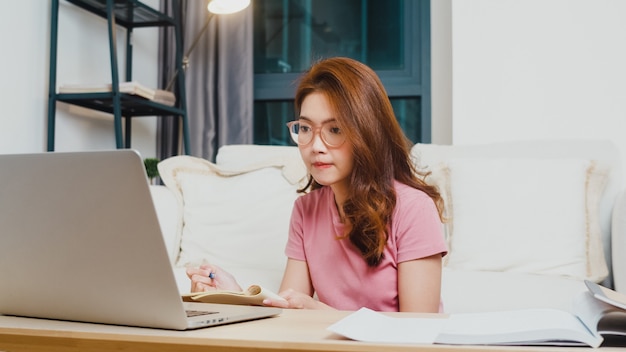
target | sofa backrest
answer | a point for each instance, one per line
(430, 156)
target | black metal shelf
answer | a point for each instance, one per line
(131, 105)
(128, 13)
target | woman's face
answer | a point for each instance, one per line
(329, 165)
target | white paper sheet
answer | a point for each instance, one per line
(370, 326)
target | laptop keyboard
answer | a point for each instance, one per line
(196, 313)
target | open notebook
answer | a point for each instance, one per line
(81, 241)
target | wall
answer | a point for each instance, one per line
(83, 58)
(529, 69)
(502, 70)
(441, 70)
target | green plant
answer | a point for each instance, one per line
(151, 167)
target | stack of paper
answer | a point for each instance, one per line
(598, 313)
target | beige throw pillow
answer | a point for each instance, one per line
(237, 218)
(524, 215)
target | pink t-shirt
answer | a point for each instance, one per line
(340, 276)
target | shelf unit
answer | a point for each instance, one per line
(129, 14)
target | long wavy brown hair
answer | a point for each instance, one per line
(381, 150)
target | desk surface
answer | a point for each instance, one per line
(295, 330)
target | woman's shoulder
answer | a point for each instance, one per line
(411, 196)
(404, 190)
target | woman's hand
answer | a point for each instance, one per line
(207, 277)
(296, 300)
(296, 288)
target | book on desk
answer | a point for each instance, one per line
(253, 295)
(596, 314)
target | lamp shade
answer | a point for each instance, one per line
(227, 6)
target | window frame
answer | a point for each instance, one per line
(411, 82)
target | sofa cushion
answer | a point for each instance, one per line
(237, 218)
(472, 291)
(604, 151)
(524, 215)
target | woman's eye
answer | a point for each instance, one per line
(304, 128)
(335, 130)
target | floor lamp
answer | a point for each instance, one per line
(215, 7)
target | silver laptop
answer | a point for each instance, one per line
(80, 241)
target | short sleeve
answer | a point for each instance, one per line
(416, 226)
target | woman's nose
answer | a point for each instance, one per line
(317, 143)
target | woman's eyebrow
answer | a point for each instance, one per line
(332, 119)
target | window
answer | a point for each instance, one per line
(391, 36)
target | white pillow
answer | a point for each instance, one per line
(524, 215)
(235, 218)
(241, 155)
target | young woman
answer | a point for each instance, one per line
(368, 232)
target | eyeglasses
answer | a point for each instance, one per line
(302, 133)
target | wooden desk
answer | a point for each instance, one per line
(295, 330)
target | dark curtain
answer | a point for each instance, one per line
(219, 80)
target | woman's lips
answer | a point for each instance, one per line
(320, 165)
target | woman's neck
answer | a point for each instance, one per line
(341, 194)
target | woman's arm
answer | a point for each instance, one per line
(296, 277)
(297, 288)
(419, 284)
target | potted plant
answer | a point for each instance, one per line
(151, 169)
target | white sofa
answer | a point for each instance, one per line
(528, 220)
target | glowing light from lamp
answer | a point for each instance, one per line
(227, 6)
(215, 7)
